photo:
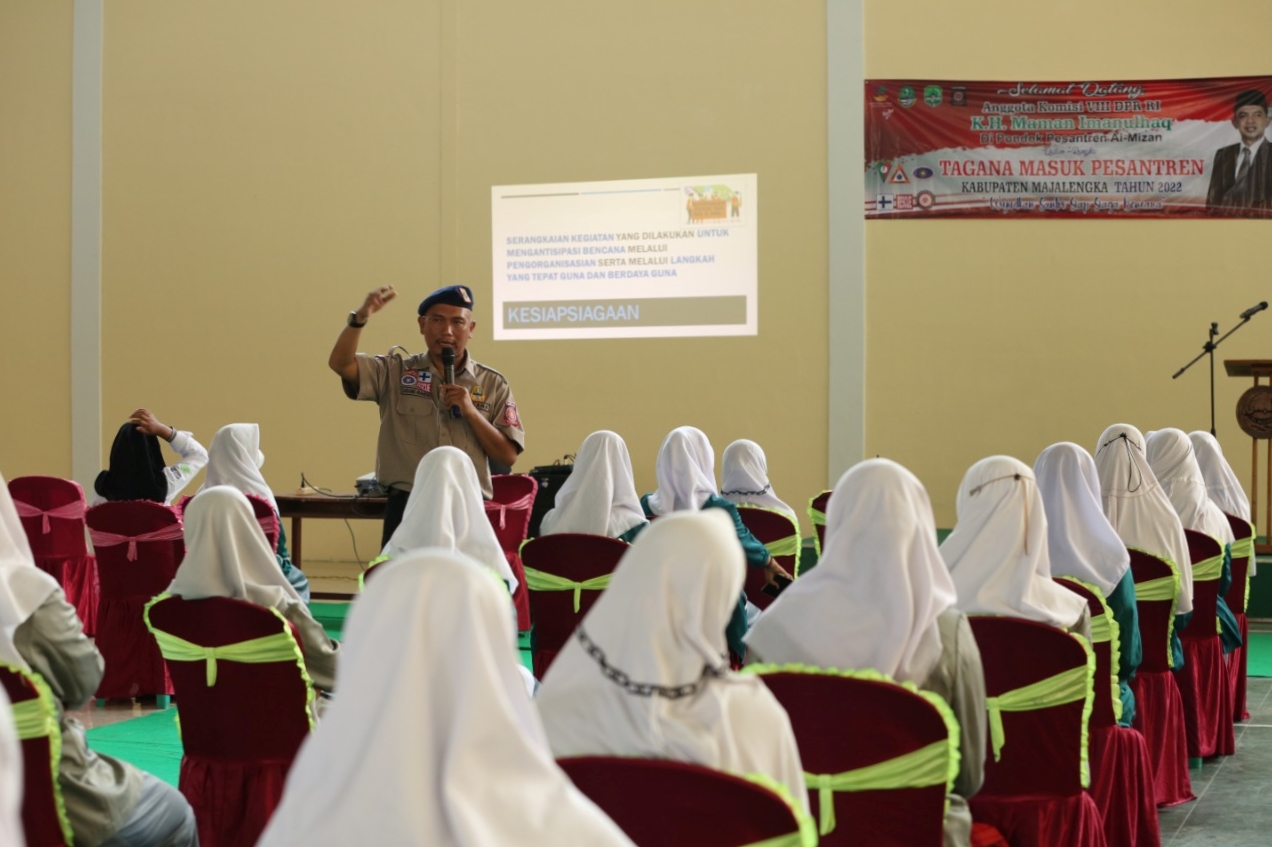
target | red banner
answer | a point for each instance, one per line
(1172, 148)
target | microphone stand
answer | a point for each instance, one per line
(1208, 349)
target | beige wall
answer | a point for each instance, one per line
(35, 236)
(1000, 336)
(266, 164)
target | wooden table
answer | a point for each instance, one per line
(339, 506)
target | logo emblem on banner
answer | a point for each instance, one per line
(884, 168)
(922, 173)
(932, 95)
(881, 94)
(905, 202)
(906, 97)
(958, 95)
(883, 202)
(926, 200)
(898, 177)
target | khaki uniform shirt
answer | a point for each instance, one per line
(413, 421)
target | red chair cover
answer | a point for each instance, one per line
(509, 513)
(41, 794)
(1159, 708)
(574, 556)
(672, 804)
(842, 724)
(1238, 659)
(818, 504)
(241, 735)
(1121, 773)
(52, 514)
(1034, 793)
(1203, 680)
(134, 666)
(767, 526)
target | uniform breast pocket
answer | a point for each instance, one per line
(415, 419)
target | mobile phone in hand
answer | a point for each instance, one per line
(776, 587)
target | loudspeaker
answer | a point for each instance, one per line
(550, 479)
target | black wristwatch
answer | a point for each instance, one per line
(353, 320)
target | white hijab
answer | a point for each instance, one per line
(23, 586)
(227, 554)
(744, 477)
(235, 459)
(599, 496)
(433, 741)
(1136, 505)
(1080, 539)
(1170, 455)
(661, 622)
(446, 510)
(998, 554)
(873, 599)
(10, 778)
(685, 471)
(1222, 485)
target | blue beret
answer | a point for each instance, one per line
(451, 295)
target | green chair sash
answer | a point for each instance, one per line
(805, 836)
(1104, 628)
(1065, 687)
(32, 720)
(279, 647)
(1157, 590)
(37, 718)
(537, 580)
(920, 768)
(1244, 548)
(788, 546)
(1208, 570)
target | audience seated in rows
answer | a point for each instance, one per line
(881, 598)
(1083, 545)
(109, 803)
(432, 741)
(647, 673)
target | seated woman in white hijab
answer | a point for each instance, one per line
(432, 742)
(998, 555)
(109, 803)
(1222, 486)
(1142, 514)
(235, 459)
(661, 625)
(744, 479)
(599, 496)
(882, 598)
(1084, 545)
(1170, 455)
(446, 510)
(227, 556)
(686, 482)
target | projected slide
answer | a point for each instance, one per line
(631, 259)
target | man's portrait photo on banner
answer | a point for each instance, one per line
(1241, 177)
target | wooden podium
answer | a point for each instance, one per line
(1254, 415)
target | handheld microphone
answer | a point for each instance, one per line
(448, 362)
(1253, 310)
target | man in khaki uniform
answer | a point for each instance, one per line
(418, 409)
